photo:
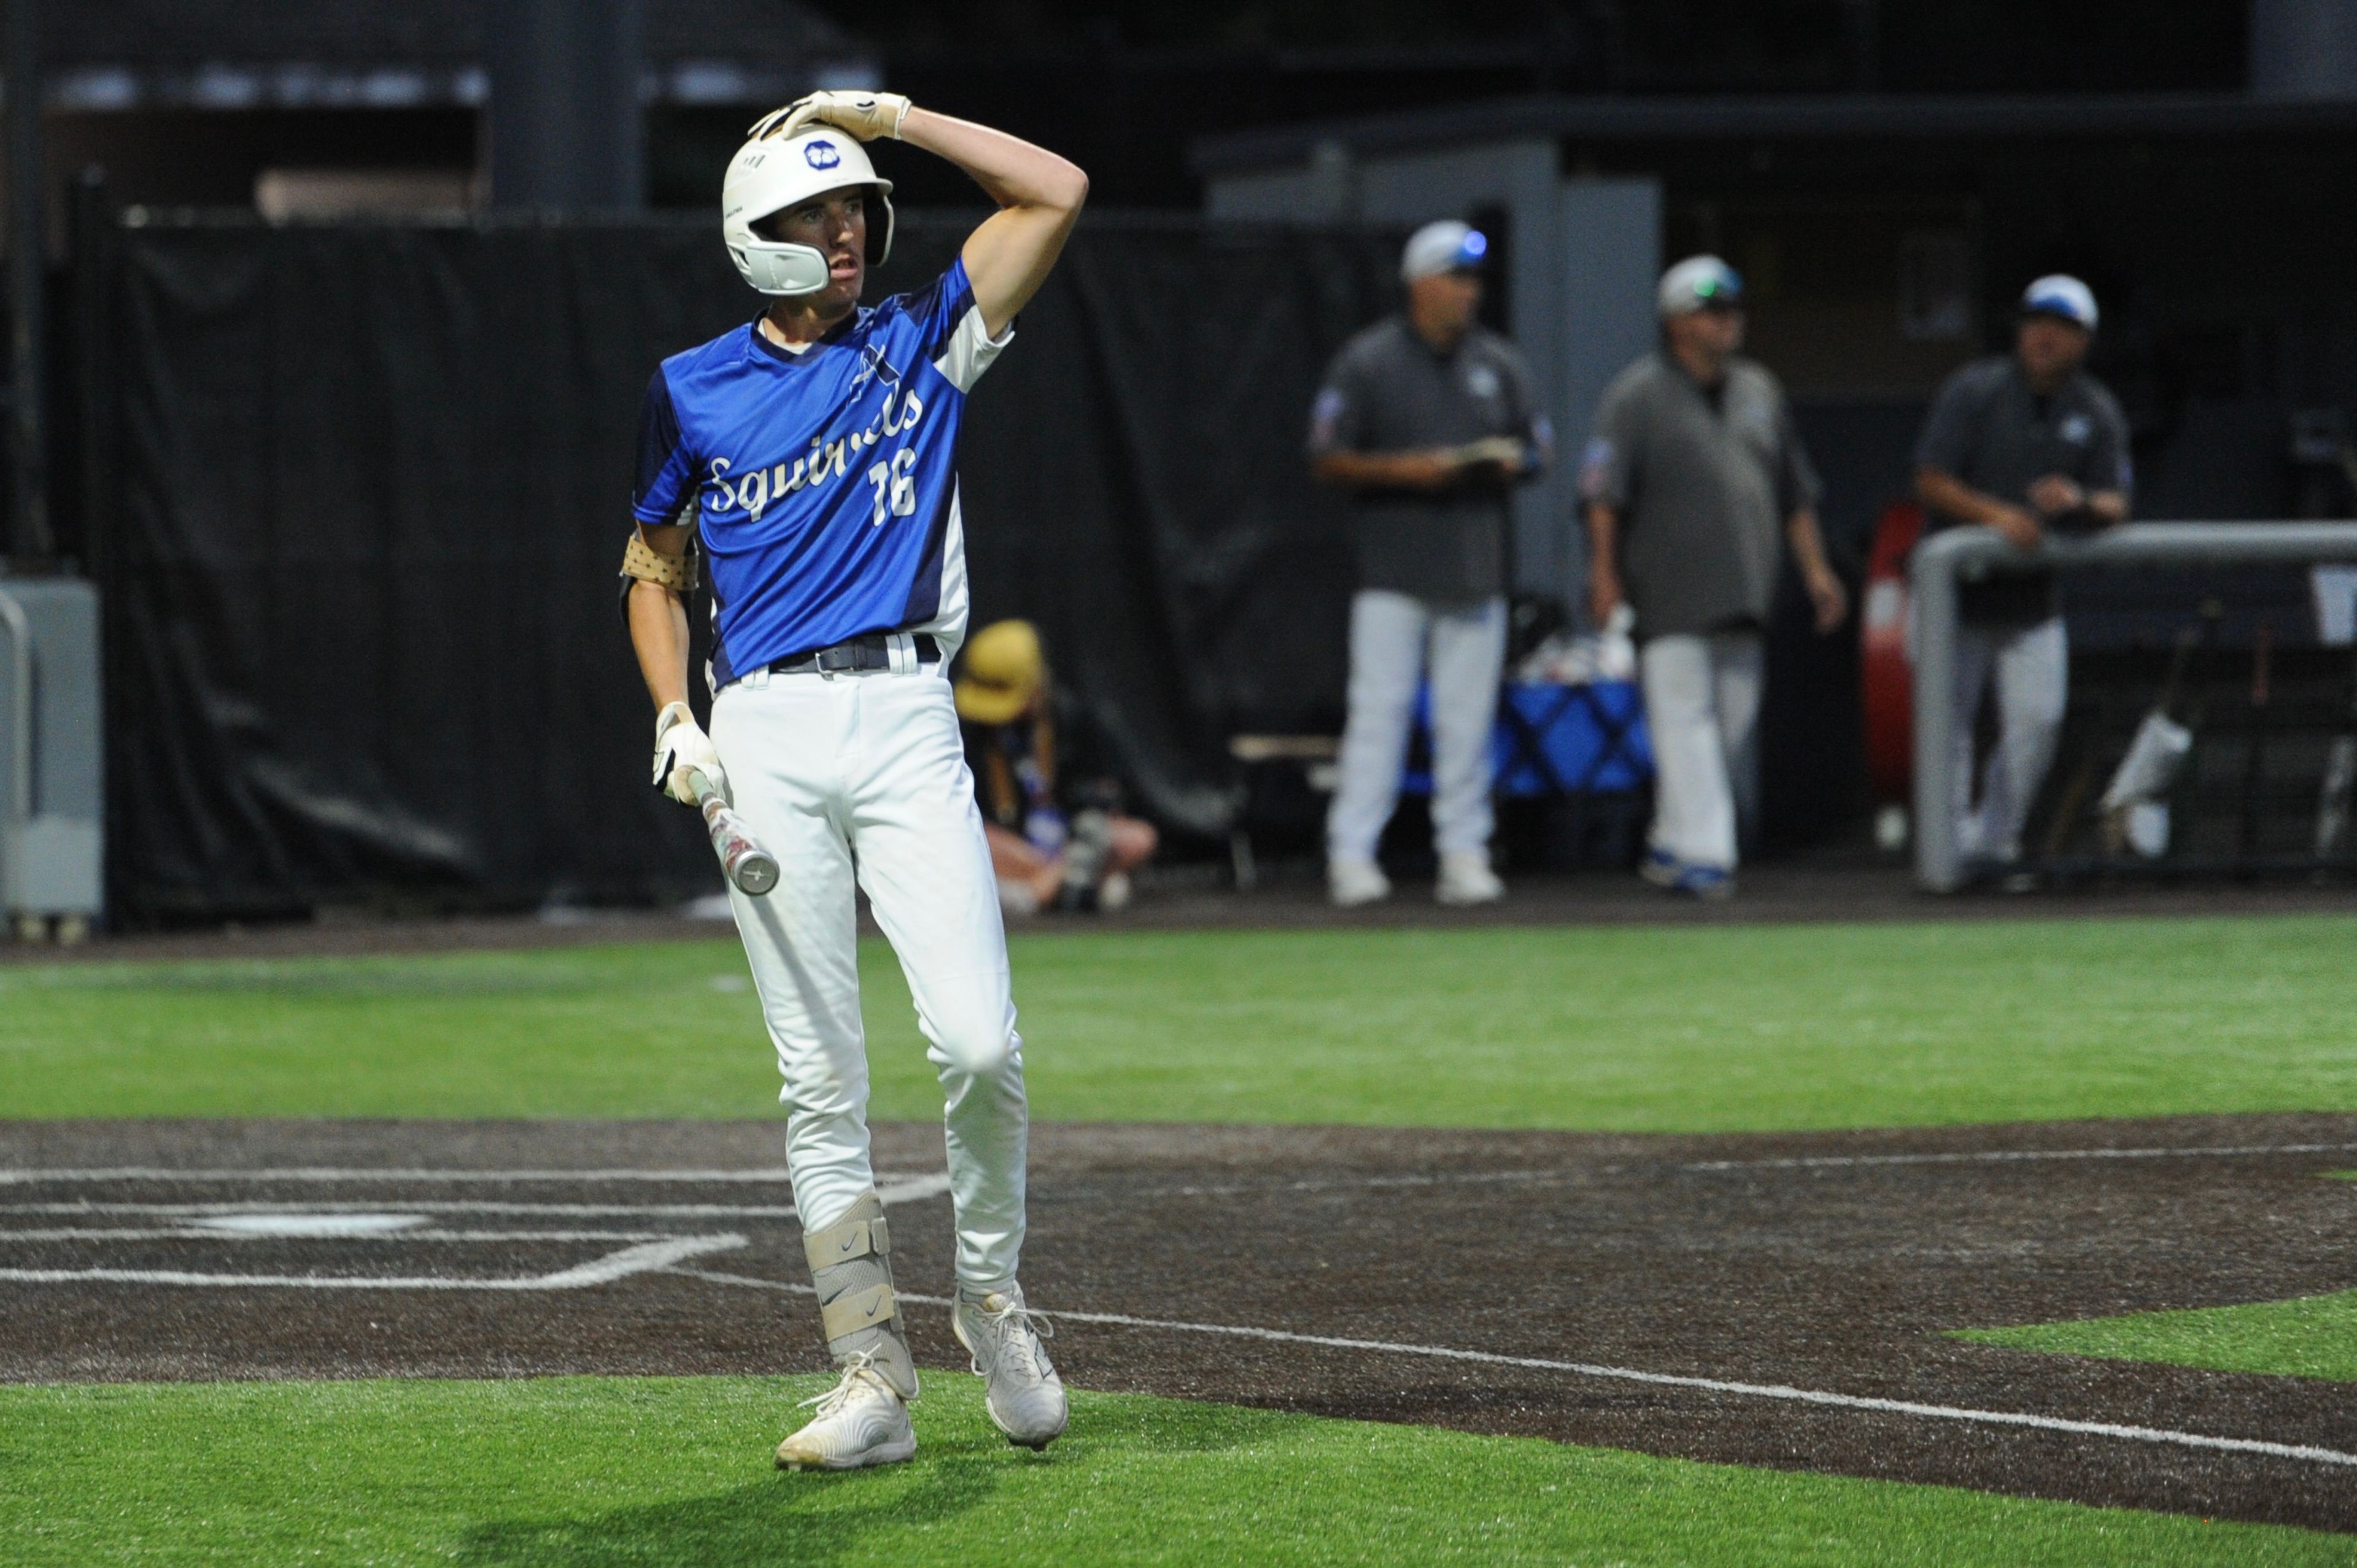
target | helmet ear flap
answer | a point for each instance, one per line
(879, 236)
(769, 176)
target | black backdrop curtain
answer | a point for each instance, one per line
(360, 544)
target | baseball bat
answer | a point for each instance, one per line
(2154, 752)
(752, 869)
(2074, 801)
(2254, 749)
(2334, 799)
(2197, 710)
(2072, 806)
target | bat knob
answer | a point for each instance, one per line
(757, 873)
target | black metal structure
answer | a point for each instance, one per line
(564, 104)
(34, 542)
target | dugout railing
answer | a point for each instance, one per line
(1948, 559)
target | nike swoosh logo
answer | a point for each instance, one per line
(872, 1306)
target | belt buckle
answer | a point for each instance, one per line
(833, 660)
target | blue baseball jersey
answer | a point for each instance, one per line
(823, 485)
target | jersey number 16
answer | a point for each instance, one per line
(896, 486)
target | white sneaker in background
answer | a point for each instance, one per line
(1350, 882)
(860, 1422)
(1466, 878)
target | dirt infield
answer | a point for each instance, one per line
(1766, 1300)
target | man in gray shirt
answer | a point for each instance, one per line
(1695, 483)
(1429, 422)
(2023, 443)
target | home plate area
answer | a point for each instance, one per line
(1763, 1299)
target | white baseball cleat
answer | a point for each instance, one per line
(861, 1420)
(1466, 878)
(1350, 882)
(1021, 1387)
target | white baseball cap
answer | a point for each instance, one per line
(1447, 246)
(2060, 293)
(1700, 283)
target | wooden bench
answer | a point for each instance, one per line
(1314, 754)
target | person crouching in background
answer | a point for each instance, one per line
(1057, 839)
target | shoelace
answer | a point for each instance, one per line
(1020, 1330)
(835, 1398)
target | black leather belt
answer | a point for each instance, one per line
(873, 651)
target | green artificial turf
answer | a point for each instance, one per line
(1704, 1030)
(588, 1471)
(2312, 1337)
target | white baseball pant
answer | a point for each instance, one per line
(1702, 712)
(1396, 640)
(863, 777)
(2032, 665)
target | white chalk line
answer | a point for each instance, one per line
(1376, 1183)
(647, 1258)
(2003, 1156)
(191, 1233)
(430, 1206)
(2152, 1435)
(21, 1176)
(904, 1189)
(655, 1251)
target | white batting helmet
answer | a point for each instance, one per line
(769, 174)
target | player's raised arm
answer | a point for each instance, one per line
(1039, 193)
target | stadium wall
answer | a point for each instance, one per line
(356, 494)
(370, 485)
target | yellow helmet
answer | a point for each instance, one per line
(1001, 673)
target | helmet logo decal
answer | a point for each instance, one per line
(774, 178)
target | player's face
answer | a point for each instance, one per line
(1445, 304)
(1721, 330)
(834, 225)
(1714, 333)
(2050, 347)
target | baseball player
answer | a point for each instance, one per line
(805, 461)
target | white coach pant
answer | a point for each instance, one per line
(1701, 711)
(845, 776)
(1396, 640)
(2032, 665)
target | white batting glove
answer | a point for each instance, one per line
(680, 745)
(866, 115)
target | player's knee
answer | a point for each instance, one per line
(984, 1053)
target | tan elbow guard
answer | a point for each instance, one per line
(644, 562)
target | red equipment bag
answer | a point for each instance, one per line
(1886, 675)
